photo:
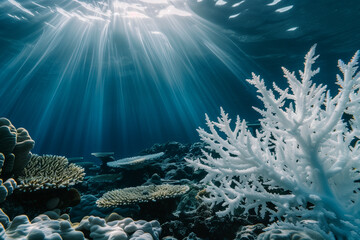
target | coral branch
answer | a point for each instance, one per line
(304, 154)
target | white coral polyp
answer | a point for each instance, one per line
(304, 153)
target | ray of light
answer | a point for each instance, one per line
(106, 75)
(18, 5)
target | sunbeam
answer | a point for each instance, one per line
(119, 72)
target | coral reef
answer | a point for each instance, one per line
(140, 194)
(47, 172)
(184, 217)
(301, 165)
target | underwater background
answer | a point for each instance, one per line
(102, 118)
(89, 76)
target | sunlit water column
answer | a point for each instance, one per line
(117, 75)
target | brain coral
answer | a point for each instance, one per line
(16, 145)
(49, 171)
(135, 195)
(8, 186)
(51, 226)
(40, 228)
(22, 149)
(7, 136)
(290, 234)
(123, 229)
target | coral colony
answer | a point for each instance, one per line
(301, 167)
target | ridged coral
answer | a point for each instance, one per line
(41, 227)
(125, 229)
(290, 234)
(49, 171)
(16, 145)
(8, 186)
(51, 226)
(22, 149)
(140, 194)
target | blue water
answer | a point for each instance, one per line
(89, 76)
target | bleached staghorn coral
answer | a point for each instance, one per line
(305, 151)
(134, 195)
(49, 171)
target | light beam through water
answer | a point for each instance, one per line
(116, 75)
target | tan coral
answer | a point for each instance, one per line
(49, 172)
(140, 194)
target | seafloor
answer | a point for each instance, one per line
(183, 216)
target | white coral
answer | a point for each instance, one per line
(304, 153)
